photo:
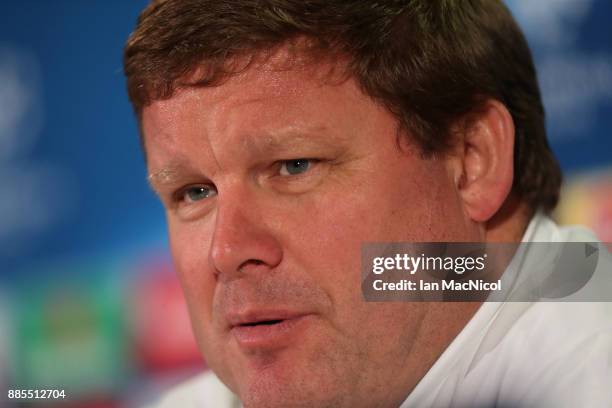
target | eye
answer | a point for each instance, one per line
(197, 193)
(294, 167)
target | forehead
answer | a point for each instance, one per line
(283, 91)
(280, 75)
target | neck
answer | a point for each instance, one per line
(510, 222)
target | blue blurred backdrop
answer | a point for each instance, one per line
(82, 238)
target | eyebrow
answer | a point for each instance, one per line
(169, 174)
(280, 141)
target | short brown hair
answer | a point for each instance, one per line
(430, 62)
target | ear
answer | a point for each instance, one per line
(483, 165)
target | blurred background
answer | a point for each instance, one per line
(88, 299)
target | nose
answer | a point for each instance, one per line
(242, 241)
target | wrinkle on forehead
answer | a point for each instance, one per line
(165, 124)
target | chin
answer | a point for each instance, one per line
(292, 380)
(309, 391)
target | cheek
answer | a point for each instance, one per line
(336, 223)
(332, 229)
(329, 249)
(417, 203)
(189, 245)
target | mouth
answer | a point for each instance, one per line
(260, 317)
(271, 331)
(262, 322)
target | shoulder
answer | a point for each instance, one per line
(521, 354)
(537, 353)
(202, 391)
(557, 352)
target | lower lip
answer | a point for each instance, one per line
(264, 336)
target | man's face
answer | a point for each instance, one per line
(272, 181)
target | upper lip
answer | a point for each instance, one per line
(254, 316)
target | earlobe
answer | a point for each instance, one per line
(486, 161)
